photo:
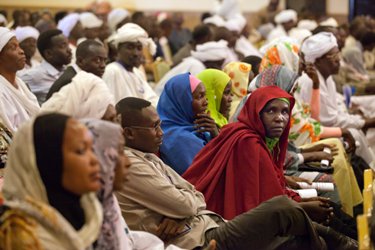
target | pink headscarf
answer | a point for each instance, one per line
(194, 82)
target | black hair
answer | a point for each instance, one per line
(201, 31)
(368, 38)
(129, 109)
(45, 40)
(205, 15)
(254, 61)
(60, 15)
(323, 28)
(84, 48)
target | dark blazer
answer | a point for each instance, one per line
(63, 80)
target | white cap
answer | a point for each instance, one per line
(66, 25)
(90, 20)
(22, 33)
(5, 36)
(307, 24)
(116, 16)
(329, 22)
(286, 16)
(3, 19)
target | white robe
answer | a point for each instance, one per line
(334, 114)
(189, 64)
(16, 105)
(123, 83)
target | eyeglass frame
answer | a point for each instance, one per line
(156, 127)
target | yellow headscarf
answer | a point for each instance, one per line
(239, 73)
(215, 82)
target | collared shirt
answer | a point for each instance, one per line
(332, 108)
(154, 191)
(40, 79)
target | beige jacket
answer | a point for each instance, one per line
(155, 191)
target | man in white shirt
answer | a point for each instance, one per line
(123, 77)
(17, 103)
(322, 50)
(207, 55)
(54, 48)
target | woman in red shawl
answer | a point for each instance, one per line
(243, 166)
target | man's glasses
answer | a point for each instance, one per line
(156, 127)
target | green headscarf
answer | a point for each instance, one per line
(215, 82)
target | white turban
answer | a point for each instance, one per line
(318, 45)
(329, 22)
(116, 16)
(211, 51)
(90, 20)
(286, 16)
(236, 23)
(3, 19)
(22, 33)
(132, 32)
(87, 96)
(5, 36)
(216, 20)
(307, 24)
(66, 25)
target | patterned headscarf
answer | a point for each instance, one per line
(283, 51)
(106, 141)
(277, 75)
(239, 73)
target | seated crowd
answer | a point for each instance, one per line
(103, 148)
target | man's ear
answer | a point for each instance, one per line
(128, 134)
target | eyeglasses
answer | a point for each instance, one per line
(156, 127)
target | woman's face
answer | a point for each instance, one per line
(226, 100)
(199, 100)
(122, 167)
(81, 170)
(275, 117)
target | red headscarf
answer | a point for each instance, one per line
(236, 171)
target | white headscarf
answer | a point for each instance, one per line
(132, 32)
(116, 16)
(90, 20)
(286, 16)
(67, 24)
(318, 45)
(87, 96)
(22, 33)
(5, 36)
(3, 19)
(211, 51)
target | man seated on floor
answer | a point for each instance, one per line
(156, 199)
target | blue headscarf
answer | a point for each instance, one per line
(181, 143)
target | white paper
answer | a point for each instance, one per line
(307, 193)
(319, 186)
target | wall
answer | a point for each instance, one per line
(192, 8)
